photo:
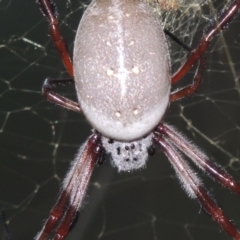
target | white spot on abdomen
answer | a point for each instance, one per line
(109, 72)
(135, 70)
(118, 114)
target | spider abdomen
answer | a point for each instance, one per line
(121, 68)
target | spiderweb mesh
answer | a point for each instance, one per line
(38, 140)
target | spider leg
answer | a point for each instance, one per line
(73, 190)
(225, 17)
(193, 185)
(49, 11)
(56, 98)
(192, 88)
(212, 29)
(175, 39)
(199, 158)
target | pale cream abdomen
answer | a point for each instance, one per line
(122, 68)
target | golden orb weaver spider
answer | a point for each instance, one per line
(121, 45)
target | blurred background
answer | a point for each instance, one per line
(38, 140)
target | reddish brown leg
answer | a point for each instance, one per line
(48, 8)
(193, 185)
(190, 89)
(201, 160)
(211, 207)
(196, 55)
(56, 98)
(73, 190)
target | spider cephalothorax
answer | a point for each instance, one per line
(128, 156)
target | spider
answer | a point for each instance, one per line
(121, 70)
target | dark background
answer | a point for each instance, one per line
(38, 140)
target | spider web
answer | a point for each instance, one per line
(38, 140)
